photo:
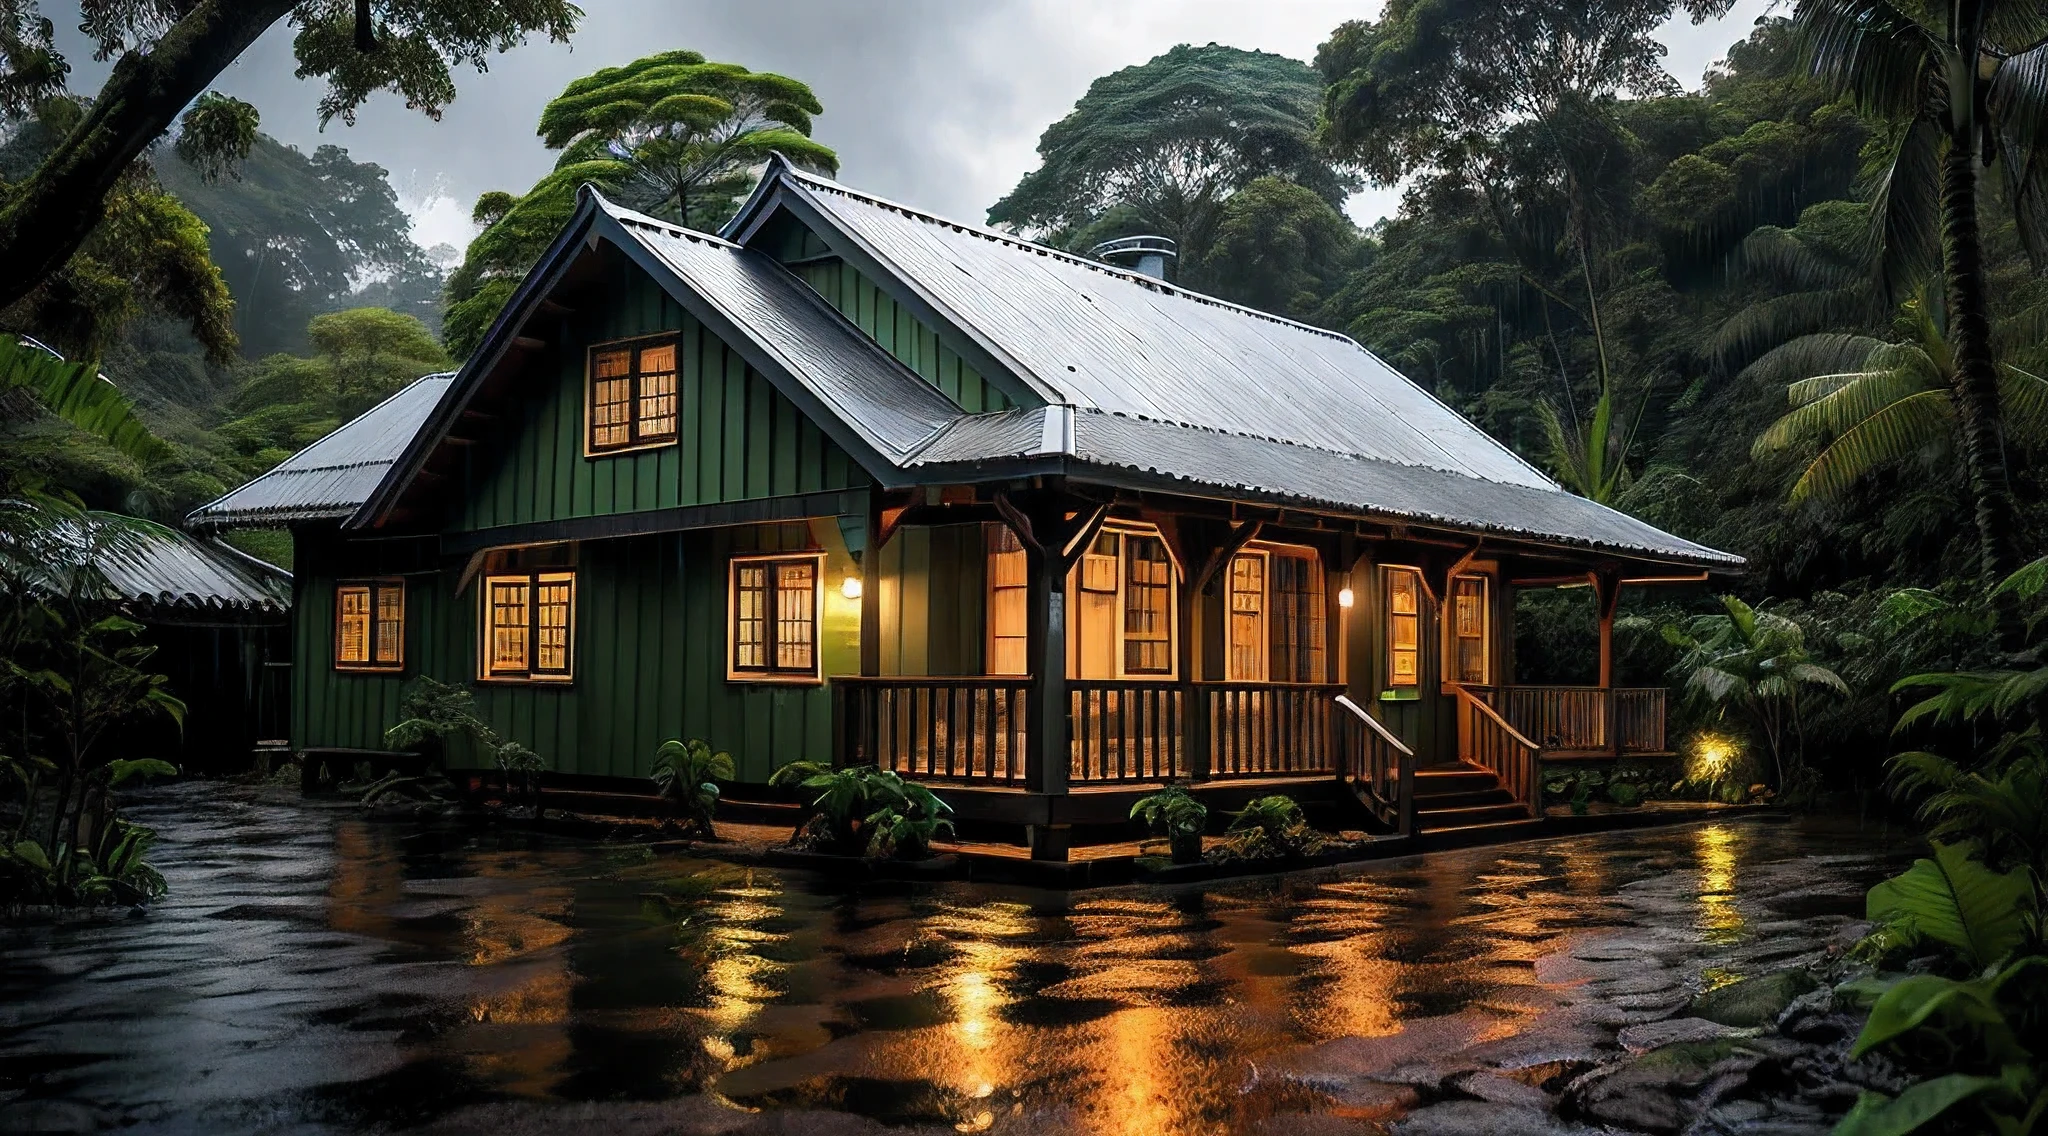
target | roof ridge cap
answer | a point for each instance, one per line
(1027, 245)
(626, 216)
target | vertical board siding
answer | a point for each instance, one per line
(899, 333)
(650, 649)
(740, 439)
(932, 582)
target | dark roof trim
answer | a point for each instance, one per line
(985, 354)
(591, 222)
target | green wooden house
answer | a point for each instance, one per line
(850, 481)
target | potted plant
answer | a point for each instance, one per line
(1175, 814)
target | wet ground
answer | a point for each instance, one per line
(312, 971)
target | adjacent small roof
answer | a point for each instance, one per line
(172, 573)
(330, 479)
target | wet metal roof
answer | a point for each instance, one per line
(891, 408)
(1094, 336)
(1215, 463)
(331, 478)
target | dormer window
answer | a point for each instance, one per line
(632, 395)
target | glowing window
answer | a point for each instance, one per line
(633, 396)
(1469, 616)
(774, 617)
(529, 626)
(1404, 626)
(1008, 595)
(369, 625)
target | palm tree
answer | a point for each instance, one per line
(1965, 86)
(1875, 401)
(1757, 663)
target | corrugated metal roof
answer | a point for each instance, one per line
(1236, 465)
(888, 404)
(174, 572)
(331, 478)
(1094, 336)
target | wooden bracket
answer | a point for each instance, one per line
(1240, 535)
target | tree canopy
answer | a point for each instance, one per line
(1161, 147)
(164, 57)
(671, 134)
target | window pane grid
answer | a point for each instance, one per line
(509, 603)
(390, 636)
(1300, 620)
(1247, 617)
(1470, 619)
(1403, 628)
(611, 400)
(775, 616)
(352, 639)
(1008, 592)
(657, 402)
(1148, 614)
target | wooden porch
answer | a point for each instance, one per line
(975, 733)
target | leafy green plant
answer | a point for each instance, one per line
(437, 711)
(1269, 828)
(1955, 901)
(1983, 1037)
(873, 812)
(687, 773)
(1175, 814)
(1575, 787)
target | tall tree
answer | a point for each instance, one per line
(1964, 86)
(1162, 146)
(1517, 100)
(296, 234)
(165, 55)
(672, 135)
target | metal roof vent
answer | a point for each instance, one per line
(1145, 255)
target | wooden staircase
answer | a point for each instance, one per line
(1459, 803)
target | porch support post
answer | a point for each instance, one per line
(871, 588)
(1042, 526)
(1607, 593)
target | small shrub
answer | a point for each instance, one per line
(434, 711)
(1270, 828)
(685, 774)
(1175, 814)
(874, 813)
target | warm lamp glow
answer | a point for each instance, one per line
(1344, 597)
(850, 587)
(1713, 755)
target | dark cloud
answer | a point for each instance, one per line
(936, 102)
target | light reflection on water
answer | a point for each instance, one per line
(405, 974)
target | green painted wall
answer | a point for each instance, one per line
(902, 335)
(933, 592)
(740, 438)
(650, 643)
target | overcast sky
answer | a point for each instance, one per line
(936, 103)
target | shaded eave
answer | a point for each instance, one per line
(591, 223)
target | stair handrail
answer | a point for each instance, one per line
(1525, 783)
(1404, 795)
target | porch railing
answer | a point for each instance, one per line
(1576, 718)
(1269, 729)
(1122, 731)
(1375, 762)
(1126, 731)
(1487, 740)
(968, 729)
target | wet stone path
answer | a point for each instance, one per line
(312, 971)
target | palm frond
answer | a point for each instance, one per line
(1905, 211)
(1900, 430)
(2018, 98)
(79, 394)
(1825, 353)
(2024, 397)
(1870, 50)
(1753, 332)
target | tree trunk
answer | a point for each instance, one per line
(53, 212)
(1975, 392)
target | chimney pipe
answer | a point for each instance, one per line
(1146, 255)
